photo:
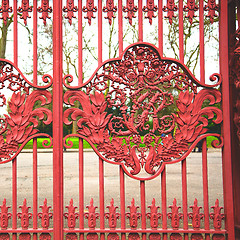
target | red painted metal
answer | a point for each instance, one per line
(5, 9)
(144, 76)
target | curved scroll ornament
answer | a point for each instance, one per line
(143, 111)
(22, 119)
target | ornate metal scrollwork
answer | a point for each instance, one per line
(19, 125)
(143, 111)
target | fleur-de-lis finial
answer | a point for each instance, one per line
(154, 215)
(175, 216)
(45, 215)
(24, 215)
(91, 215)
(4, 215)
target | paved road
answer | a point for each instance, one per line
(174, 187)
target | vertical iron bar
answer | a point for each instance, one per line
(81, 188)
(35, 62)
(184, 196)
(140, 21)
(120, 27)
(181, 47)
(227, 155)
(164, 202)
(35, 188)
(205, 186)
(14, 197)
(143, 207)
(99, 32)
(15, 33)
(160, 27)
(101, 197)
(122, 201)
(201, 41)
(80, 44)
(57, 122)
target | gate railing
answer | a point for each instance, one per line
(111, 110)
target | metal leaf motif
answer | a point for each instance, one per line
(89, 9)
(110, 9)
(137, 86)
(150, 9)
(45, 10)
(24, 10)
(5, 9)
(70, 9)
(130, 9)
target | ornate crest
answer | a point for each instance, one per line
(143, 111)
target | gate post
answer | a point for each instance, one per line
(227, 156)
(57, 122)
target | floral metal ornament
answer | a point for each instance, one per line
(170, 9)
(110, 9)
(150, 9)
(4, 215)
(130, 9)
(19, 125)
(5, 9)
(211, 7)
(129, 97)
(195, 215)
(70, 9)
(89, 9)
(24, 215)
(190, 8)
(4, 236)
(154, 215)
(45, 215)
(175, 216)
(45, 236)
(45, 10)
(91, 215)
(133, 215)
(235, 77)
(25, 9)
(112, 216)
(71, 216)
(217, 216)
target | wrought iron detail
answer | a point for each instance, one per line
(211, 7)
(138, 87)
(175, 216)
(195, 215)
(112, 216)
(91, 215)
(45, 236)
(4, 215)
(25, 215)
(89, 9)
(25, 9)
(235, 77)
(5, 9)
(217, 216)
(71, 216)
(45, 215)
(22, 120)
(45, 10)
(170, 9)
(133, 215)
(150, 9)
(154, 215)
(130, 9)
(190, 8)
(70, 9)
(110, 9)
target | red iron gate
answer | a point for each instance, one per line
(122, 111)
